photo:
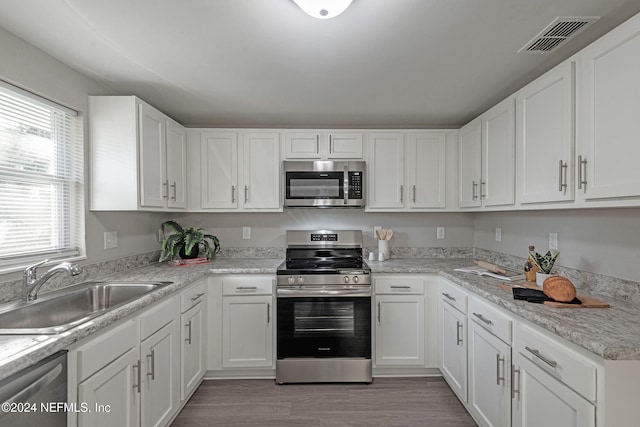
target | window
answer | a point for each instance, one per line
(41, 179)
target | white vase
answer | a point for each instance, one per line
(541, 277)
(383, 248)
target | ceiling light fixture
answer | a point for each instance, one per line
(323, 9)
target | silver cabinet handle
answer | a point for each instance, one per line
(484, 319)
(379, 313)
(498, 361)
(483, 185)
(233, 194)
(138, 366)
(474, 193)
(514, 390)
(330, 144)
(165, 189)
(246, 194)
(562, 176)
(448, 296)
(582, 173)
(197, 297)
(400, 287)
(246, 288)
(414, 193)
(537, 354)
(458, 334)
(268, 313)
(152, 356)
(188, 339)
(175, 191)
(401, 193)
(317, 143)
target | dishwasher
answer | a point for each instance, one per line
(37, 395)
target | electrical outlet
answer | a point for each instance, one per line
(498, 234)
(246, 233)
(553, 241)
(160, 235)
(110, 239)
(439, 233)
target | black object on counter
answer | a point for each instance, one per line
(536, 296)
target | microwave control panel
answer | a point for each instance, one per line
(355, 185)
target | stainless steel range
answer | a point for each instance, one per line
(324, 309)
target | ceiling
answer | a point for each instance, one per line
(264, 63)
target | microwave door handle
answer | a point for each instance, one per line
(345, 189)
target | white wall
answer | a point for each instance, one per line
(603, 241)
(29, 68)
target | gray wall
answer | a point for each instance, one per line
(603, 241)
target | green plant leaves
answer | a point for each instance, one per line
(187, 238)
(545, 262)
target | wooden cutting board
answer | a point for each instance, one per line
(587, 302)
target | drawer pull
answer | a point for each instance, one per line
(448, 296)
(247, 288)
(197, 297)
(498, 361)
(537, 354)
(458, 334)
(484, 319)
(400, 287)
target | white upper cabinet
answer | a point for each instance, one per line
(323, 145)
(238, 170)
(608, 148)
(426, 160)
(133, 143)
(385, 165)
(486, 162)
(545, 137)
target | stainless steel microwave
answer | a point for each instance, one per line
(324, 184)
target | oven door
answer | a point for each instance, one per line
(323, 327)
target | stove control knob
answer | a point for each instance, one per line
(345, 279)
(300, 280)
(291, 280)
(356, 279)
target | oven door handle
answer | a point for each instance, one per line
(297, 293)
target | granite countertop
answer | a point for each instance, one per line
(610, 333)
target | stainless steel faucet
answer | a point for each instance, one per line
(31, 284)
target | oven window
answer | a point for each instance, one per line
(317, 318)
(314, 188)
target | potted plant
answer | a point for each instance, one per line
(185, 242)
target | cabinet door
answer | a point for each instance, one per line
(247, 331)
(115, 385)
(545, 137)
(154, 186)
(540, 400)
(385, 153)
(192, 360)
(302, 145)
(159, 357)
(261, 170)
(426, 164)
(218, 173)
(400, 330)
(498, 155)
(345, 145)
(610, 127)
(177, 164)
(469, 164)
(453, 348)
(489, 379)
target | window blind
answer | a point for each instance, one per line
(41, 179)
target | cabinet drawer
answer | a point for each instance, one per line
(554, 357)
(453, 295)
(106, 348)
(192, 296)
(399, 285)
(155, 318)
(491, 319)
(248, 286)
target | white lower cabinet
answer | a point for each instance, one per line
(193, 338)
(452, 337)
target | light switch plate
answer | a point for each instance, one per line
(553, 241)
(246, 233)
(110, 239)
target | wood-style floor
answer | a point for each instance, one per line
(385, 402)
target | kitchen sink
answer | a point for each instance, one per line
(61, 310)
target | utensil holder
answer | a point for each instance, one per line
(383, 248)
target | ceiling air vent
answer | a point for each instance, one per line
(557, 32)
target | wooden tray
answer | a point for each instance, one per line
(587, 302)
